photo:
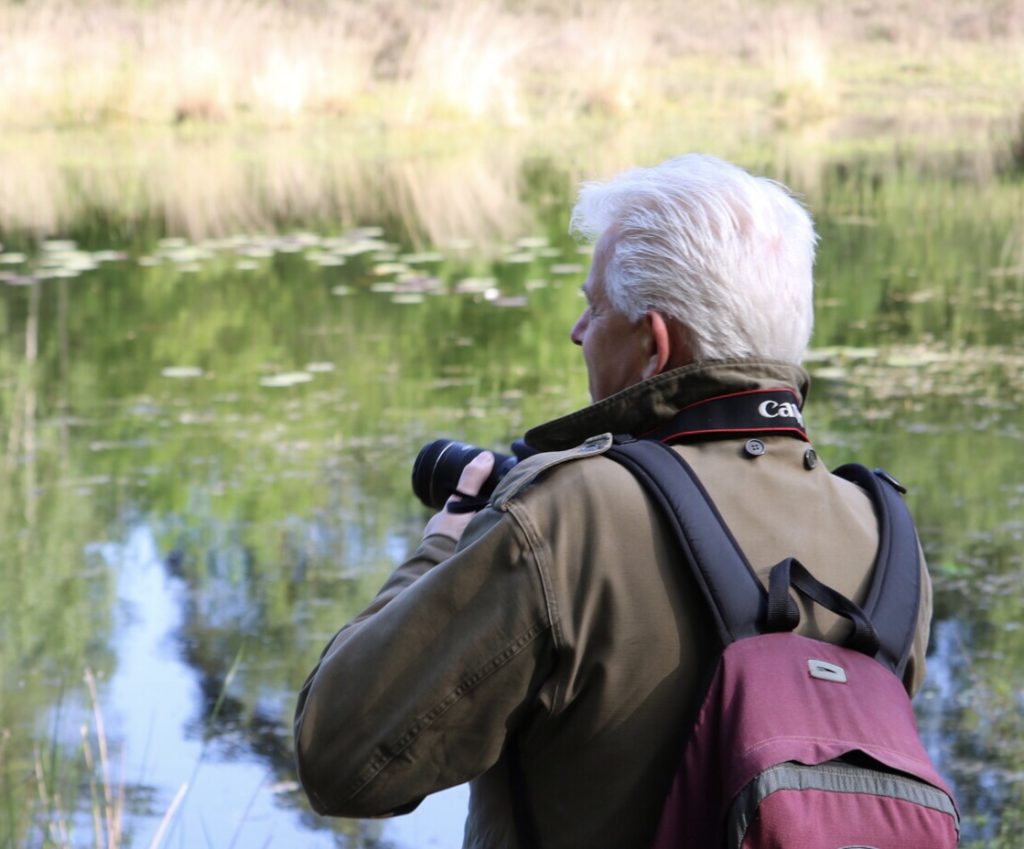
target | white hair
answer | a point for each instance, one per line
(726, 254)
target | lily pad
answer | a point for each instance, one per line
(59, 245)
(326, 260)
(285, 379)
(385, 268)
(188, 255)
(255, 251)
(420, 284)
(182, 372)
(360, 246)
(474, 285)
(18, 279)
(532, 242)
(422, 257)
(109, 256)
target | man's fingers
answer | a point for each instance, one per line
(476, 473)
(472, 478)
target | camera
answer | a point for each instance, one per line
(439, 465)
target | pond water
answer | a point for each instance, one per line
(210, 413)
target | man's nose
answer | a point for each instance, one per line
(576, 334)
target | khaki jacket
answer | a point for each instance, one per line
(553, 658)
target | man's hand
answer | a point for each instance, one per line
(473, 476)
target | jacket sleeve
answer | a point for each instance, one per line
(420, 691)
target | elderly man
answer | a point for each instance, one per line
(551, 652)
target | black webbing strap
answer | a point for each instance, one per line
(783, 614)
(739, 604)
(734, 594)
(894, 598)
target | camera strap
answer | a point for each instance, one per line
(467, 503)
(771, 411)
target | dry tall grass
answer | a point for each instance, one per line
(223, 185)
(513, 61)
(66, 64)
(468, 61)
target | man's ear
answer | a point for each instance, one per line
(660, 351)
(669, 345)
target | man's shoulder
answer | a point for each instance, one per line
(525, 473)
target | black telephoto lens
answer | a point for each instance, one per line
(439, 465)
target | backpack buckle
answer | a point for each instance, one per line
(889, 479)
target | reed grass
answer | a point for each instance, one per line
(511, 61)
(71, 788)
(63, 784)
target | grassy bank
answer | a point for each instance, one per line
(515, 62)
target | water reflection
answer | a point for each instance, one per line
(240, 415)
(155, 699)
(233, 793)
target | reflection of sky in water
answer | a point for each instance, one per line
(151, 701)
(937, 694)
(943, 709)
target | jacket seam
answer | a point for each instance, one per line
(382, 759)
(535, 543)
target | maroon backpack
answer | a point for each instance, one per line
(799, 744)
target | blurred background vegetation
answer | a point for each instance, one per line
(515, 62)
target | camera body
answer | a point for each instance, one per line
(439, 465)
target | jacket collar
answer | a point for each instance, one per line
(644, 406)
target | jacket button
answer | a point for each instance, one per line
(754, 448)
(810, 459)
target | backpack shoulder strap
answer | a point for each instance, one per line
(732, 590)
(736, 598)
(894, 596)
